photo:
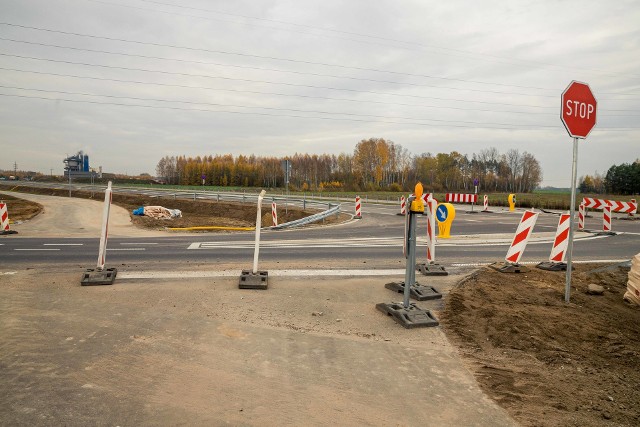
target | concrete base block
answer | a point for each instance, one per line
(249, 280)
(431, 269)
(93, 277)
(509, 268)
(418, 292)
(410, 317)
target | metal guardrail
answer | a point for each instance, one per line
(331, 208)
(309, 219)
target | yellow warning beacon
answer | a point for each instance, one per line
(512, 202)
(418, 204)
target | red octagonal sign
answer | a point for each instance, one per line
(579, 108)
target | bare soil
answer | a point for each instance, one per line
(546, 362)
(195, 213)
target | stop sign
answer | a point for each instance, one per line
(579, 108)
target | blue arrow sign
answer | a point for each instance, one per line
(442, 213)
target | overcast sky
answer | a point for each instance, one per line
(130, 81)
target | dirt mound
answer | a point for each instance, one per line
(549, 363)
(20, 209)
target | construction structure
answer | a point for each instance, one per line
(77, 166)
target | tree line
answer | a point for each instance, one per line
(619, 179)
(375, 164)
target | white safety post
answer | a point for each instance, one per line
(258, 225)
(4, 217)
(102, 251)
(561, 241)
(520, 239)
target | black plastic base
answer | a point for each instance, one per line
(431, 270)
(473, 212)
(401, 214)
(357, 217)
(6, 232)
(92, 277)
(552, 266)
(411, 317)
(259, 280)
(509, 268)
(417, 292)
(606, 233)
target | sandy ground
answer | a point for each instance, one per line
(308, 351)
(71, 217)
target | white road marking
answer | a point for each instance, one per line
(8, 273)
(39, 249)
(126, 249)
(135, 244)
(272, 273)
(62, 244)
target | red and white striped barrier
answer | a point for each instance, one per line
(358, 214)
(560, 243)
(625, 207)
(581, 210)
(486, 203)
(4, 217)
(403, 206)
(431, 226)
(274, 214)
(461, 198)
(636, 203)
(519, 243)
(102, 251)
(606, 218)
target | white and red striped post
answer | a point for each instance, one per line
(4, 217)
(523, 232)
(403, 206)
(274, 213)
(561, 241)
(102, 251)
(581, 216)
(358, 214)
(633, 202)
(486, 203)
(606, 218)
(431, 226)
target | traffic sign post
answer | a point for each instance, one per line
(408, 314)
(578, 114)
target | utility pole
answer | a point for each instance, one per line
(51, 172)
(15, 169)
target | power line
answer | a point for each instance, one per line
(290, 115)
(249, 113)
(215, 77)
(481, 56)
(270, 57)
(257, 107)
(304, 96)
(282, 71)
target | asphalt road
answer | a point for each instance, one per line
(372, 242)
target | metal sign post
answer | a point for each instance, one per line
(578, 114)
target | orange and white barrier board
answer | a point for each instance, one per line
(561, 241)
(485, 203)
(274, 213)
(403, 206)
(358, 208)
(4, 217)
(461, 198)
(519, 243)
(581, 216)
(606, 218)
